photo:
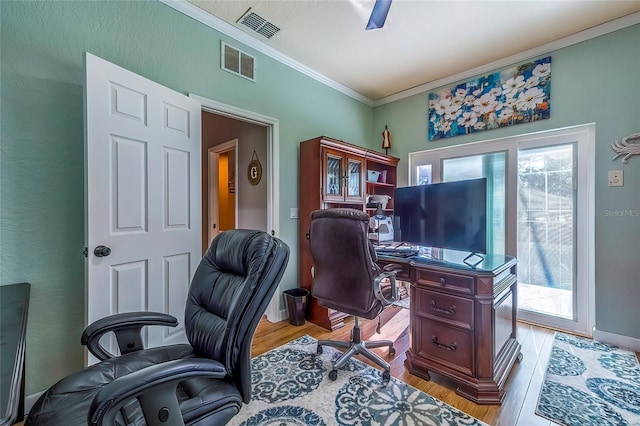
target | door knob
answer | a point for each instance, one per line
(102, 251)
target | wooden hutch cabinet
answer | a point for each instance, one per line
(333, 174)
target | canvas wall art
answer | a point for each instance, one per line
(521, 94)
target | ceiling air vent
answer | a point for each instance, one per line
(258, 24)
(237, 62)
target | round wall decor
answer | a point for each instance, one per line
(254, 171)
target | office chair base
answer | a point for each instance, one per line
(358, 347)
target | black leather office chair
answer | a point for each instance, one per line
(201, 383)
(347, 279)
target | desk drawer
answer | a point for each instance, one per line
(451, 347)
(454, 310)
(451, 282)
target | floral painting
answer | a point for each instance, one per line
(517, 95)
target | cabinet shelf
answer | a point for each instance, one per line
(388, 185)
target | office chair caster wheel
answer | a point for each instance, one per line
(333, 375)
(386, 376)
(392, 351)
(319, 350)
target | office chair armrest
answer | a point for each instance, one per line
(155, 388)
(128, 330)
(377, 287)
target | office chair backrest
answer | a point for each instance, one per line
(229, 293)
(344, 262)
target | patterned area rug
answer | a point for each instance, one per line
(291, 387)
(590, 383)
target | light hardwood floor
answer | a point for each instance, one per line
(522, 387)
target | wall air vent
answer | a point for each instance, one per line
(237, 62)
(258, 24)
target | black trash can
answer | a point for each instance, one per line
(296, 304)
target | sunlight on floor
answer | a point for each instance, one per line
(545, 300)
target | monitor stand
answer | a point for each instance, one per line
(473, 264)
(431, 253)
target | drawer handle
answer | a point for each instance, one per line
(452, 347)
(441, 280)
(448, 311)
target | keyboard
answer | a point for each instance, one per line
(396, 252)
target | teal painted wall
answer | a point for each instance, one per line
(42, 158)
(595, 81)
(41, 151)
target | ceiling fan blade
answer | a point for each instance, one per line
(378, 14)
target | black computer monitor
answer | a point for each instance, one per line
(450, 215)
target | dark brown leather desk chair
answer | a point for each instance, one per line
(347, 279)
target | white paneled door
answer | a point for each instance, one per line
(143, 196)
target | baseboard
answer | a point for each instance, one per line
(280, 315)
(621, 341)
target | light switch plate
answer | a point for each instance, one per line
(616, 178)
(293, 214)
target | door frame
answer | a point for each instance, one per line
(273, 312)
(213, 155)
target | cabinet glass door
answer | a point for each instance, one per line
(333, 185)
(354, 179)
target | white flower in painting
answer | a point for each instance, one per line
(460, 94)
(458, 101)
(442, 105)
(513, 84)
(506, 114)
(492, 121)
(477, 92)
(479, 125)
(469, 100)
(495, 91)
(452, 112)
(542, 70)
(446, 126)
(509, 102)
(531, 82)
(485, 104)
(433, 103)
(530, 98)
(468, 119)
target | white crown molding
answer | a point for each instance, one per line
(225, 28)
(597, 31)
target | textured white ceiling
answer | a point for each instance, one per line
(422, 40)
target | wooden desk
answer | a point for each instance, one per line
(14, 306)
(463, 322)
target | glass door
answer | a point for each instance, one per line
(546, 231)
(354, 179)
(491, 165)
(333, 175)
(541, 201)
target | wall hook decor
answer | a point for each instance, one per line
(254, 171)
(628, 146)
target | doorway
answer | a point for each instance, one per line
(222, 188)
(257, 203)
